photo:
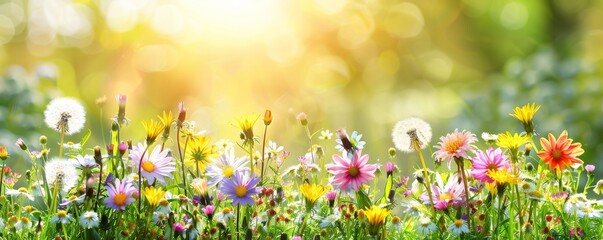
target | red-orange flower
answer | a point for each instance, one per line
(558, 153)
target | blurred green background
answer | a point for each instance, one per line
(359, 65)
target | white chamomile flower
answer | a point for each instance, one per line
(459, 226)
(65, 115)
(411, 127)
(425, 226)
(21, 192)
(89, 220)
(325, 135)
(24, 224)
(62, 217)
(330, 220)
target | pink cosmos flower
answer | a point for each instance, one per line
(389, 167)
(452, 193)
(454, 145)
(350, 174)
(492, 159)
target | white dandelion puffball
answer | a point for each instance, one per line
(62, 171)
(65, 114)
(401, 137)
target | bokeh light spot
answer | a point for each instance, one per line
(404, 20)
(514, 16)
(330, 6)
(7, 29)
(155, 58)
(167, 19)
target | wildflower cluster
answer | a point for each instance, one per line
(175, 182)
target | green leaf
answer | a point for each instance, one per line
(363, 200)
(388, 187)
(86, 137)
(91, 234)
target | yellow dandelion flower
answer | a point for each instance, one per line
(3, 152)
(525, 114)
(153, 129)
(245, 123)
(492, 187)
(502, 176)
(511, 141)
(153, 195)
(166, 118)
(312, 192)
(376, 217)
(200, 186)
(199, 153)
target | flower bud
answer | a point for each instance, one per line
(392, 152)
(21, 144)
(267, 117)
(302, 118)
(3, 152)
(122, 147)
(181, 114)
(43, 140)
(97, 155)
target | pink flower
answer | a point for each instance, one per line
(350, 174)
(590, 168)
(493, 159)
(454, 145)
(119, 194)
(452, 193)
(157, 165)
(331, 195)
(389, 167)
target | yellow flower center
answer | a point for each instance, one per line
(240, 191)
(556, 154)
(148, 166)
(445, 196)
(354, 171)
(72, 197)
(24, 220)
(120, 199)
(23, 190)
(226, 210)
(228, 171)
(525, 186)
(458, 223)
(61, 214)
(453, 146)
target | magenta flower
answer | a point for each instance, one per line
(389, 167)
(492, 159)
(454, 145)
(452, 193)
(331, 195)
(590, 168)
(350, 174)
(119, 194)
(240, 187)
(156, 165)
(209, 210)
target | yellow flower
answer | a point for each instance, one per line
(492, 187)
(376, 217)
(245, 123)
(502, 176)
(153, 195)
(166, 119)
(525, 114)
(511, 141)
(199, 153)
(200, 186)
(312, 192)
(3, 152)
(153, 130)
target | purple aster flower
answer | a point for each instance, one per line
(240, 187)
(119, 194)
(156, 165)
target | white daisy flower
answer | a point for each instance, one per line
(72, 145)
(84, 162)
(224, 167)
(224, 216)
(224, 145)
(527, 185)
(325, 135)
(459, 226)
(24, 224)
(490, 138)
(404, 129)
(62, 217)
(65, 114)
(412, 207)
(61, 172)
(425, 226)
(330, 220)
(158, 217)
(1, 223)
(589, 212)
(21, 192)
(575, 203)
(89, 220)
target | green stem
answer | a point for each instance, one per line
(64, 230)
(426, 176)
(181, 159)
(238, 216)
(61, 144)
(140, 180)
(461, 165)
(263, 149)
(519, 212)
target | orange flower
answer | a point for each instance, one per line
(558, 153)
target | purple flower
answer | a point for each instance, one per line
(119, 194)
(331, 195)
(178, 227)
(240, 187)
(590, 168)
(389, 167)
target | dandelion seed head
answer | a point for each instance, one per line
(65, 114)
(411, 128)
(61, 172)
